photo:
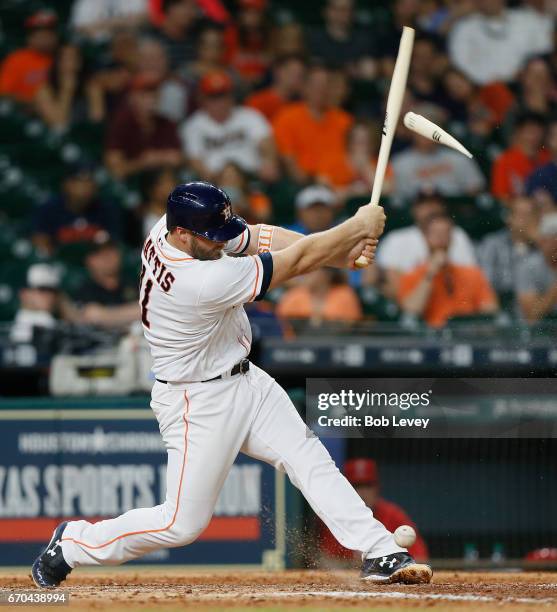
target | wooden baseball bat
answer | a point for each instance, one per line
(431, 131)
(394, 102)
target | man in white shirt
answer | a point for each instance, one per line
(404, 249)
(211, 402)
(494, 43)
(221, 132)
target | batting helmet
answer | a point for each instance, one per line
(204, 210)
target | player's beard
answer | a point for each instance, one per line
(206, 251)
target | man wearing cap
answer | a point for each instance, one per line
(139, 138)
(221, 132)
(25, 70)
(537, 274)
(39, 301)
(363, 475)
(76, 215)
(315, 210)
(105, 298)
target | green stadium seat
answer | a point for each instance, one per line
(477, 216)
(377, 306)
(89, 136)
(473, 318)
(282, 195)
(19, 193)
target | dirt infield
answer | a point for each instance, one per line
(174, 589)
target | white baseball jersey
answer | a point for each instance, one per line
(235, 140)
(192, 311)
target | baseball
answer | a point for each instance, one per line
(405, 536)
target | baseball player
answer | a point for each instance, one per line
(211, 403)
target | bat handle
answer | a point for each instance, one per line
(361, 262)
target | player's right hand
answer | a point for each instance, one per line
(372, 218)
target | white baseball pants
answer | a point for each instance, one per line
(204, 426)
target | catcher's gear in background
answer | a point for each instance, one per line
(205, 210)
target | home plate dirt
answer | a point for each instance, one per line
(175, 588)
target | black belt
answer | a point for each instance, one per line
(240, 368)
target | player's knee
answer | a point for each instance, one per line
(180, 536)
(187, 530)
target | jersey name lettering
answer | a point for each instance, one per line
(163, 277)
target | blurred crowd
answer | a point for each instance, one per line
(284, 111)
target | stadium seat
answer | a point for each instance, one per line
(282, 195)
(376, 306)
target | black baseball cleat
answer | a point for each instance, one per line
(50, 567)
(398, 567)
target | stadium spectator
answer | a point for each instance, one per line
(403, 13)
(537, 92)
(25, 70)
(340, 42)
(105, 299)
(354, 174)
(173, 94)
(404, 249)
(221, 132)
(68, 96)
(363, 474)
(288, 39)
(248, 41)
(461, 100)
(76, 215)
(525, 154)
(339, 89)
(98, 20)
(543, 181)
(370, 283)
(425, 163)
(477, 109)
(321, 296)
(209, 55)
(428, 63)
(501, 252)
(155, 187)
(494, 43)
(139, 138)
(286, 86)
(439, 290)
(115, 73)
(437, 17)
(39, 303)
(315, 209)
(312, 133)
(248, 201)
(176, 31)
(537, 274)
